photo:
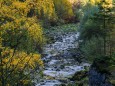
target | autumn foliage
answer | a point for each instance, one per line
(20, 36)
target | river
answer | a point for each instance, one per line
(59, 64)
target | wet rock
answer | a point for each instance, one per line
(62, 66)
(64, 81)
(100, 72)
(57, 69)
(97, 79)
(79, 75)
(63, 85)
(59, 61)
(59, 39)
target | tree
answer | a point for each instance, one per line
(16, 67)
(15, 23)
(99, 25)
(66, 11)
(104, 15)
(20, 36)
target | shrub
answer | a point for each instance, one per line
(66, 12)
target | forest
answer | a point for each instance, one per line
(57, 42)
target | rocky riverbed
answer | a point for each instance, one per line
(59, 62)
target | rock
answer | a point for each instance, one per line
(79, 75)
(62, 66)
(113, 82)
(97, 79)
(59, 61)
(64, 81)
(99, 72)
(57, 69)
(63, 85)
(59, 39)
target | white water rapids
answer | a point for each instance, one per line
(58, 66)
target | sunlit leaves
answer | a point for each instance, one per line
(18, 26)
(15, 63)
(19, 36)
(45, 9)
(66, 8)
(105, 3)
(21, 61)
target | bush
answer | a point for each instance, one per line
(17, 29)
(45, 12)
(18, 66)
(66, 12)
(20, 36)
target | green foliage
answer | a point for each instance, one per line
(87, 11)
(98, 33)
(59, 30)
(92, 48)
(91, 30)
(98, 25)
(45, 12)
(105, 65)
(66, 11)
(79, 7)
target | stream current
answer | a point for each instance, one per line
(59, 64)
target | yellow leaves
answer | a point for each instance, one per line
(14, 9)
(14, 62)
(26, 28)
(109, 1)
(33, 61)
(25, 82)
(21, 60)
(66, 9)
(21, 7)
(6, 12)
(37, 59)
(21, 32)
(92, 2)
(6, 52)
(107, 4)
(35, 30)
(15, 23)
(45, 9)
(98, 1)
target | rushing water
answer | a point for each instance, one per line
(59, 66)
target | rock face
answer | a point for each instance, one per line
(97, 79)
